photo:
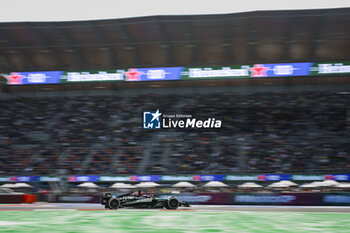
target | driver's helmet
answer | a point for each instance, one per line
(137, 194)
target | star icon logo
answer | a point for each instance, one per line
(13, 178)
(72, 178)
(156, 115)
(132, 75)
(151, 120)
(14, 79)
(258, 70)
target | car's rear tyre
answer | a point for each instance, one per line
(113, 203)
(172, 204)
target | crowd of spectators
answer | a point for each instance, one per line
(269, 132)
(208, 152)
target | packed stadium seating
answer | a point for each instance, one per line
(290, 132)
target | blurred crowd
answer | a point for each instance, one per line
(263, 132)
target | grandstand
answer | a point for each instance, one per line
(272, 132)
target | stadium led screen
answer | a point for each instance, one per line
(115, 178)
(177, 178)
(266, 70)
(216, 72)
(209, 177)
(83, 178)
(247, 71)
(153, 74)
(280, 69)
(184, 73)
(330, 68)
(93, 76)
(44, 77)
(24, 178)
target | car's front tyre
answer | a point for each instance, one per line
(172, 203)
(113, 203)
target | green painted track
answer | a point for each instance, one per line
(171, 221)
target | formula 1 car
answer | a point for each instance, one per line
(111, 201)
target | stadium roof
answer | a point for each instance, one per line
(240, 38)
(68, 10)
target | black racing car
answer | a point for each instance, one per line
(137, 200)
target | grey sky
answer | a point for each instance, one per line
(66, 10)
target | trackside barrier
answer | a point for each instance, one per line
(316, 199)
(299, 199)
(29, 198)
(13, 199)
(18, 198)
(72, 198)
